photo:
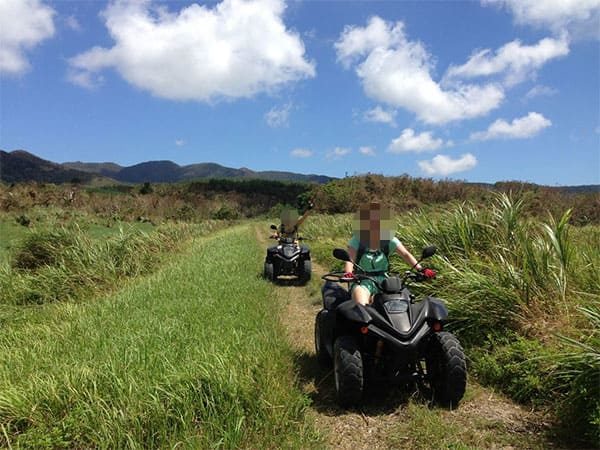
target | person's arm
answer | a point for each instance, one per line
(348, 266)
(407, 256)
(305, 215)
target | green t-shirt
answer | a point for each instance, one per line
(374, 260)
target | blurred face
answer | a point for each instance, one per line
(373, 224)
(289, 217)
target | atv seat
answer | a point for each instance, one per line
(333, 295)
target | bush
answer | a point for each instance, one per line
(43, 248)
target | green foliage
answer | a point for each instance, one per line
(577, 371)
(44, 248)
(62, 264)
(146, 189)
(225, 213)
(183, 358)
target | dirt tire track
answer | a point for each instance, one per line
(369, 427)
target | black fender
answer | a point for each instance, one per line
(326, 321)
(271, 252)
(436, 309)
(305, 252)
(353, 312)
(333, 295)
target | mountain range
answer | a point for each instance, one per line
(20, 165)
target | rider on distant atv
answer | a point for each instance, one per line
(290, 223)
(371, 245)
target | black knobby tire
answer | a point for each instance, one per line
(306, 271)
(322, 356)
(269, 271)
(447, 369)
(348, 371)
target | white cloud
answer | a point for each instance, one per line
(539, 90)
(408, 141)
(396, 71)
(235, 49)
(301, 153)
(278, 117)
(516, 62)
(520, 128)
(579, 17)
(72, 23)
(337, 153)
(367, 151)
(179, 142)
(378, 114)
(445, 165)
(23, 25)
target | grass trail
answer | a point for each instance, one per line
(392, 417)
(191, 356)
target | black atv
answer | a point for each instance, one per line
(288, 258)
(395, 340)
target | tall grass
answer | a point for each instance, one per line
(65, 263)
(190, 357)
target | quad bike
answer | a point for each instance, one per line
(394, 340)
(288, 258)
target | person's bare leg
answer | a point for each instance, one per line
(361, 295)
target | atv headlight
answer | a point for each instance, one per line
(396, 306)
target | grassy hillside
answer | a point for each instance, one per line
(190, 357)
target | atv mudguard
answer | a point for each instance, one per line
(353, 312)
(333, 295)
(434, 309)
(305, 252)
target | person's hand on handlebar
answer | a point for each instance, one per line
(348, 276)
(428, 273)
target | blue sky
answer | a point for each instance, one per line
(481, 91)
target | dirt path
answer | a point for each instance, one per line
(397, 419)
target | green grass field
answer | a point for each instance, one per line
(189, 357)
(136, 336)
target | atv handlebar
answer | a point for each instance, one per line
(338, 277)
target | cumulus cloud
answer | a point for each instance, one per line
(520, 128)
(539, 90)
(23, 25)
(367, 151)
(408, 141)
(515, 61)
(72, 23)
(179, 142)
(278, 116)
(396, 71)
(301, 153)
(235, 49)
(337, 153)
(579, 17)
(445, 165)
(378, 114)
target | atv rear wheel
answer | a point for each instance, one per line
(322, 356)
(446, 369)
(269, 271)
(348, 371)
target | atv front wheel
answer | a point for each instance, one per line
(306, 271)
(446, 369)
(348, 371)
(269, 271)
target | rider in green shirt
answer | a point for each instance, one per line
(373, 242)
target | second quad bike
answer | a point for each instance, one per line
(288, 257)
(394, 340)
